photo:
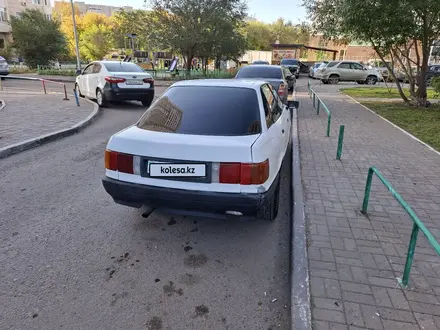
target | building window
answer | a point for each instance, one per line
(46, 2)
(48, 17)
(36, 2)
(2, 43)
(3, 15)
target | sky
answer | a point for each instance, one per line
(262, 10)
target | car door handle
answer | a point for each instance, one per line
(282, 131)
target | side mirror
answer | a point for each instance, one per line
(365, 68)
(292, 104)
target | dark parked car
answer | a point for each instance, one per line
(433, 71)
(293, 65)
(278, 76)
(260, 62)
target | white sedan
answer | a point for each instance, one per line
(206, 147)
(108, 81)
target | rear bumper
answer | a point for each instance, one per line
(186, 201)
(128, 94)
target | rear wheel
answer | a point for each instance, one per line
(371, 80)
(100, 99)
(269, 211)
(360, 82)
(147, 101)
(325, 82)
(333, 79)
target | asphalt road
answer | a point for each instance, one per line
(72, 259)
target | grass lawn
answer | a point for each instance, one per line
(381, 92)
(422, 123)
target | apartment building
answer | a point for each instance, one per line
(100, 9)
(10, 8)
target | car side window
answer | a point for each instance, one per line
(277, 107)
(88, 69)
(356, 66)
(96, 68)
(344, 65)
(268, 102)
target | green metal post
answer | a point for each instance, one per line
(367, 190)
(318, 106)
(314, 99)
(329, 120)
(340, 142)
(410, 255)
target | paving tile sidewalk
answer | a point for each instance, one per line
(354, 260)
(32, 114)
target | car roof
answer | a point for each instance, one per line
(250, 67)
(116, 62)
(238, 83)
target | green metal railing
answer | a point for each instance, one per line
(418, 225)
(317, 104)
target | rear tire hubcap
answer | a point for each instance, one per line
(99, 97)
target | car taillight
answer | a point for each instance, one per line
(149, 81)
(281, 90)
(115, 80)
(244, 173)
(120, 162)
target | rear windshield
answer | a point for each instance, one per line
(269, 72)
(122, 67)
(204, 110)
(289, 62)
(332, 64)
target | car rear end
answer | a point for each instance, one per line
(127, 81)
(273, 74)
(292, 65)
(191, 152)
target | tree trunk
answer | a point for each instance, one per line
(189, 58)
(421, 91)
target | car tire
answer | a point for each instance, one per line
(333, 79)
(361, 82)
(100, 99)
(325, 82)
(371, 80)
(269, 211)
(147, 101)
(78, 91)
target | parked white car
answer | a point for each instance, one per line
(108, 81)
(4, 66)
(314, 68)
(318, 71)
(205, 147)
(337, 71)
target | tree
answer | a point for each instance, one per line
(189, 25)
(128, 22)
(36, 38)
(260, 35)
(394, 28)
(63, 14)
(95, 36)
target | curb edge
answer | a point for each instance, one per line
(300, 286)
(43, 139)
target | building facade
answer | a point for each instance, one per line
(85, 8)
(10, 8)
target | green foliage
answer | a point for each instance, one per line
(53, 72)
(95, 41)
(260, 35)
(133, 21)
(435, 83)
(191, 27)
(392, 27)
(36, 38)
